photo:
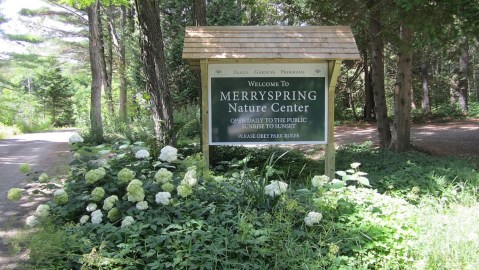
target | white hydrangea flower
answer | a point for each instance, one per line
(93, 176)
(96, 217)
(190, 177)
(355, 165)
(84, 219)
(127, 221)
(103, 163)
(163, 198)
(75, 138)
(43, 178)
(110, 202)
(123, 146)
(184, 191)
(135, 191)
(163, 176)
(43, 210)
(91, 207)
(32, 221)
(313, 218)
(168, 154)
(14, 194)
(319, 180)
(141, 154)
(125, 175)
(275, 188)
(143, 205)
(104, 152)
(60, 197)
(97, 194)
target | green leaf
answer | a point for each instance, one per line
(336, 183)
(341, 173)
(363, 181)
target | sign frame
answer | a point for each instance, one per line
(334, 67)
(272, 86)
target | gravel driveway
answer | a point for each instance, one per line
(46, 152)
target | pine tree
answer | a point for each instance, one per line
(55, 92)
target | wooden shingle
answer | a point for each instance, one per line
(269, 42)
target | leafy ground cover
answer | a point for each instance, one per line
(123, 208)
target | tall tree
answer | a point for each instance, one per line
(424, 74)
(55, 92)
(401, 134)
(368, 110)
(463, 84)
(199, 12)
(109, 59)
(122, 65)
(377, 72)
(97, 66)
(153, 57)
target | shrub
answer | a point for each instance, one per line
(225, 221)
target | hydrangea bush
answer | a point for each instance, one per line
(14, 194)
(173, 213)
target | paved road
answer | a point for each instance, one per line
(45, 152)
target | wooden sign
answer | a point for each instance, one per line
(269, 84)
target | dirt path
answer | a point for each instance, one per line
(46, 152)
(460, 138)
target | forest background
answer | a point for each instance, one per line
(113, 69)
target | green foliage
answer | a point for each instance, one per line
(187, 124)
(473, 109)
(411, 174)
(55, 92)
(6, 131)
(21, 111)
(223, 12)
(294, 164)
(25, 168)
(55, 248)
(228, 222)
(449, 237)
(27, 38)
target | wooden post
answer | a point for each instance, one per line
(204, 110)
(330, 159)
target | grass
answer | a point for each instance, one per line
(6, 131)
(448, 236)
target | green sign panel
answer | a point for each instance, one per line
(267, 103)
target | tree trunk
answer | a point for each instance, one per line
(401, 134)
(199, 12)
(109, 66)
(425, 104)
(153, 57)
(97, 69)
(199, 19)
(122, 68)
(377, 74)
(368, 112)
(463, 83)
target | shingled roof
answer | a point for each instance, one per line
(269, 42)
